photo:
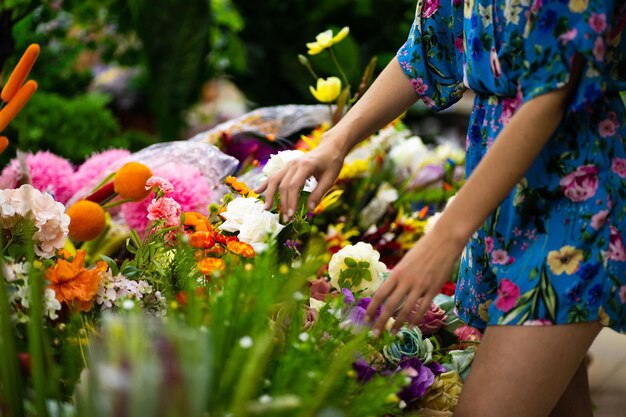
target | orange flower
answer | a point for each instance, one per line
(130, 181)
(201, 240)
(240, 248)
(72, 283)
(17, 102)
(20, 72)
(240, 187)
(210, 265)
(87, 220)
(4, 142)
(197, 221)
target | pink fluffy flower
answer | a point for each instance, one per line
(165, 208)
(95, 165)
(508, 294)
(434, 319)
(581, 184)
(164, 185)
(191, 190)
(48, 172)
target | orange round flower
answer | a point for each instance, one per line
(197, 221)
(240, 248)
(210, 265)
(87, 220)
(130, 181)
(201, 240)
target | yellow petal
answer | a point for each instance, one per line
(325, 39)
(341, 35)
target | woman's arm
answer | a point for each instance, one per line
(389, 96)
(425, 268)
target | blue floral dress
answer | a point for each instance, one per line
(553, 252)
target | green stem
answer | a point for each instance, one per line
(334, 58)
(35, 338)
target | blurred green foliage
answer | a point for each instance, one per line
(276, 31)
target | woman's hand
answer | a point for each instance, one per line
(324, 163)
(415, 280)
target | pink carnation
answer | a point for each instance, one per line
(165, 208)
(467, 333)
(164, 185)
(191, 190)
(434, 319)
(48, 172)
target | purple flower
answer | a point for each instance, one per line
(364, 370)
(422, 378)
(348, 297)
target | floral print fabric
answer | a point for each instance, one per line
(553, 252)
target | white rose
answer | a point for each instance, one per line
(280, 160)
(409, 154)
(258, 228)
(361, 252)
(237, 210)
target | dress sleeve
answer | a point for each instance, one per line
(557, 31)
(432, 56)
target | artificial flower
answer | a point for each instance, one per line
(87, 220)
(410, 343)
(280, 160)
(327, 90)
(565, 260)
(357, 267)
(421, 377)
(444, 393)
(433, 320)
(326, 39)
(72, 283)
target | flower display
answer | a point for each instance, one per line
(357, 267)
(280, 160)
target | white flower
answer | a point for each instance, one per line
(486, 13)
(512, 13)
(51, 304)
(246, 342)
(409, 154)
(236, 212)
(280, 160)
(6, 209)
(366, 259)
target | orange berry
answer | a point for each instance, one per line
(87, 220)
(130, 181)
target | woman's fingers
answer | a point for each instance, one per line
(290, 189)
(323, 185)
(270, 186)
(392, 303)
(409, 306)
(379, 297)
(424, 304)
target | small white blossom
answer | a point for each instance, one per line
(245, 342)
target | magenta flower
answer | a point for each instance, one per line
(597, 22)
(508, 293)
(430, 7)
(419, 86)
(499, 257)
(616, 252)
(581, 184)
(434, 319)
(599, 219)
(607, 128)
(618, 165)
(489, 244)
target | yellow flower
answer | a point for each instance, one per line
(326, 40)
(578, 6)
(327, 89)
(312, 141)
(444, 393)
(354, 169)
(330, 198)
(567, 259)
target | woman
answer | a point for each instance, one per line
(540, 220)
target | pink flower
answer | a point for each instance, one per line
(599, 49)
(458, 42)
(430, 7)
(607, 128)
(538, 322)
(509, 106)
(434, 319)
(191, 190)
(622, 294)
(619, 166)
(508, 293)
(495, 63)
(581, 184)
(597, 22)
(488, 244)
(499, 257)
(165, 208)
(49, 173)
(568, 36)
(616, 252)
(90, 172)
(319, 289)
(419, 86)
(164, 185)
(467, 333)
(599, 219)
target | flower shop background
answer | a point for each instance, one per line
(141, 274)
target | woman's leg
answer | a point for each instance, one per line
(576, 400)
(522, 371)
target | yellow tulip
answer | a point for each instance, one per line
(326, 40)
(327, 89)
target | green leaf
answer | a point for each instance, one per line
(350, 263)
